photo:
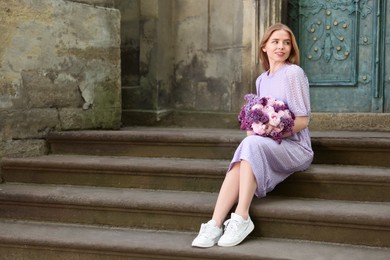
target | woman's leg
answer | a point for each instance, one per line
(240, 225)
(247, 188)
(228, 195)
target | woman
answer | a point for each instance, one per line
(260, 163)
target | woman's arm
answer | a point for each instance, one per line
(300, 123)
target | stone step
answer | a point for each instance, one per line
(120, 172)
(148, 142)
(37, 240)
(359, 223)
(351, 148)
(336, 182)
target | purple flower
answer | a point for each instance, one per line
(258, 111)
(263, 101)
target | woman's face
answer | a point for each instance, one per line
(278, 47)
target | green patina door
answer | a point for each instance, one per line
(345, 51)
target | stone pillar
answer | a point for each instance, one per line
(269, 12)
(150, 102)
(130, 47)
(214, 62)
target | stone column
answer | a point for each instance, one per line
(150, 102)
(268, 13)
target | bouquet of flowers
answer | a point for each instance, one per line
(266, 116)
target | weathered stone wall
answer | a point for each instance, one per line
(213, 57)
(148, 99)
(59, 69)
(197, 59)
(130, 43)
(104, 3)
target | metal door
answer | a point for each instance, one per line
(343, 45)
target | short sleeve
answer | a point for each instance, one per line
(258, 81)
(297, 92)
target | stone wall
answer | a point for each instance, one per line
(130, 43)
(213, 62)
(104, 3)
(59, 70)
(148, 98)
(216, 57)
(197, 59)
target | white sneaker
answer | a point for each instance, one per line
(208, 236)
(236, 230)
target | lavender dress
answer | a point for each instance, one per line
(272, 162)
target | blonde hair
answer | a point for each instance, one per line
(294, 54)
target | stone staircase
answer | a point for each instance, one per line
(142, 193)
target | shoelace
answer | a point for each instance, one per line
(206, 230)
(231, 225)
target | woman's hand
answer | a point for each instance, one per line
(248, 133)
(269, 128)
(300, 123)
